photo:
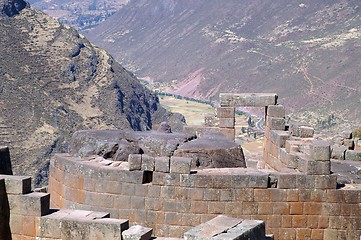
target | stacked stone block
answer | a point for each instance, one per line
(292, 205)
(146, 163)
(275, 137)
(226, 121)
(348, 148)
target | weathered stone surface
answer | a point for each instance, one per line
(33, 204)
(320, 150)
(180, 165)
(247, 229)
(227, 228)
(137, 232)
(17, 184)
(274, 123)
(78, 224)
(279, 138)
(212, 150)
(338, 152)
(162, 164)
(276, 111)
(225, 112)
(135, 162)
(247, 99)
(118, 144)
(211, 228)
(353, 155)
(147, 163)
(313, 167)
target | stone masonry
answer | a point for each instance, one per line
(295, 194)
(26, 215)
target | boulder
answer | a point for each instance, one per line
(212, 151)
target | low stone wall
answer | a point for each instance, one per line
(26, 215)
(293, 205)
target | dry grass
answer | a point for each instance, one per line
(192, 111)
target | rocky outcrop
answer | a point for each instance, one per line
(12, 7)
(210, 150)
(53, 82)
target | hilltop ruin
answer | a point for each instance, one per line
(294, 193)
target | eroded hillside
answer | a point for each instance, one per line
(53, 82)
(308, 51)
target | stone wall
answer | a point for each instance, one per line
(293, 205)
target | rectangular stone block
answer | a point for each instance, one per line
(326, 182)
(226, 122)
(180, 165)
(306, 132)
(17, 184)
(162, 164)
(276, 111)
(287, 181)
(32, 204)
(148, 163)
(279, 137)
(313, 167)
(258, 180)
(225, 112)
(228, 132)
(320, 150)
(275, 123)
(137, 232)
(212, 228)
(135, 162)
(247, 99)
(338, 152)
(353, 155)
(292, 145)
(283, 156)
(166, 179)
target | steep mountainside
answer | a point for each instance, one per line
(308, 51)
(54, 81)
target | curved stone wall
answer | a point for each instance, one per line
(293, 205)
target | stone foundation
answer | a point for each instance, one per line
(293, 206)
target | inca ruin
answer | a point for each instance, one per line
(134, 185)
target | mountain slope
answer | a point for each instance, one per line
(307, 51)
(53, 82)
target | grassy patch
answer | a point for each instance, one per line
(194, 112)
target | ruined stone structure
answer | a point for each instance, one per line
(26, 215)
(294, 192)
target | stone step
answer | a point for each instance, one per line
(71, 224)
(137, 232)
(227, 228)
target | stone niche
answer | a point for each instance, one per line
(209, 150)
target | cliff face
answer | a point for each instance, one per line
(306, 51)
(53, 82)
